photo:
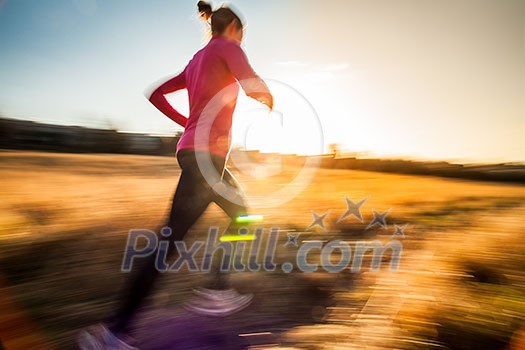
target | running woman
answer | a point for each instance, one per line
(220, 66)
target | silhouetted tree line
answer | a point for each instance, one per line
(28, 135)
(485, 172)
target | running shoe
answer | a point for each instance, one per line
(210, 302)
(98, 337)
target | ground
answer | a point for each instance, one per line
(64, 221)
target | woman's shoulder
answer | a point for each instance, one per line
(223, 44)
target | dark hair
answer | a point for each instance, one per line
(220, 18)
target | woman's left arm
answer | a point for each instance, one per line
(158, 98)
(241, 69)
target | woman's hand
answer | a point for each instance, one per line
(266, 99)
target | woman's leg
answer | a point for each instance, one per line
(191, 198)
(233, 208)
(237, 206)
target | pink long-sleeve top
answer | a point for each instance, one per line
(211, 79)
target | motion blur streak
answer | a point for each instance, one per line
(460, 283)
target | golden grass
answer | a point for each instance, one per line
(87, 203)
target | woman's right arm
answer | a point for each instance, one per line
(158, 98)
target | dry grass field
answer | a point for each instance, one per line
(64, 220)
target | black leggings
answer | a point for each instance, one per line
(192, 197)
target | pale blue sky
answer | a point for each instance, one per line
(437, 79)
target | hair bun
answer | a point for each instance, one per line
(205, 10)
